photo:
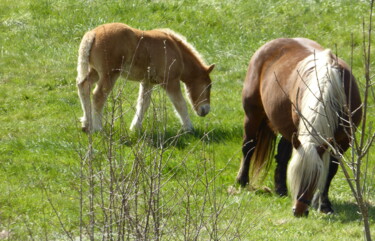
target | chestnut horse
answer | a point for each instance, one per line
(151, 57)
(298, 89)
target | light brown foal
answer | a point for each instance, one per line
(151, 57)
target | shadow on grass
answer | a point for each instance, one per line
(346, 212)
(182, 139)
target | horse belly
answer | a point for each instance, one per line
(135, 72)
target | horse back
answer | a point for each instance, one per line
(274, 85)
(271, 83)
(274, 59)
(134, 53)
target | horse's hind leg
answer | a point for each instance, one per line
(144, 98)
(284, 152)
(252, 122)
(84, 89)
(101, 92)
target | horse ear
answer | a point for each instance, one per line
(295, 141)
(210, 68)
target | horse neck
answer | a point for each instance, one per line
(193, 65)
(192, 70)
(322, 99)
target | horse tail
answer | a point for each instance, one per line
(263, 153)
(321, 104)
(84, 55)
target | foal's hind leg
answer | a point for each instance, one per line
(252, 122)
(284, 152)
(101, 92)
(84, 89)
(144, 98)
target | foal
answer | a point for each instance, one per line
(151, 57)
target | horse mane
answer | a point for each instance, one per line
(323, 97)
(182, 40)
(321, 104)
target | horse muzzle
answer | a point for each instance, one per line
(203, 110)
(301, 208)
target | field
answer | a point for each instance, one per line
(57, 183)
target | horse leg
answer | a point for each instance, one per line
(284, 152)
(251, 125)
(174, 92)
(321, 201)
(84, 89)
(144, 98)
(101, 92)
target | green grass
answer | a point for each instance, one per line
(40, 138)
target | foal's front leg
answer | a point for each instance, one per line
(175, 94)
(144, 98)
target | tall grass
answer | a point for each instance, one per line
(132, 188)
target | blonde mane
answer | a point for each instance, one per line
(321, 104)
(182, 40)
(322, 99)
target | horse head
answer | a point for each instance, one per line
(310, 172)
(199, 92)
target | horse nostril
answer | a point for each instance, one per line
(294, 212)
(204, 110)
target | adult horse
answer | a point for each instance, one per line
(298, 89)
(152, 57)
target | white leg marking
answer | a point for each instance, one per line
(84, 96)
(181, 109)
(144, 98)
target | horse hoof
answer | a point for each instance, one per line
(85, 129)
(326, 209)
(281, 191)
(242, 181)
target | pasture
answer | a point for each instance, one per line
(58, 183)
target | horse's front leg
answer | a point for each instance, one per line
(173, 90)
(321, 200)
(144, 99)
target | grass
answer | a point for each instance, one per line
(40, 140)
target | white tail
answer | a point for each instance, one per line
(82, 72)
(84, 55)
(322, 99)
